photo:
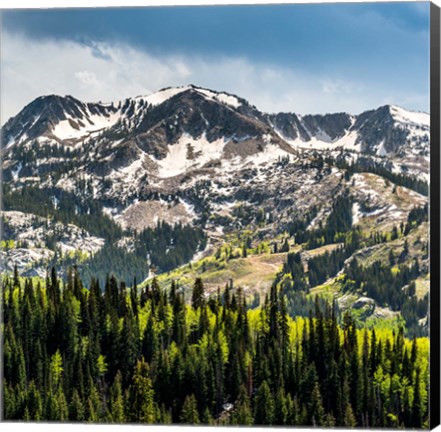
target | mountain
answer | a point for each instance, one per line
(146, 185)
(58, 118)
(203, 126)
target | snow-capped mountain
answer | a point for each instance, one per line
(386, 131)
(176, 130)
(57, 118)
(383, 131)
(66, 119)
(193, 156)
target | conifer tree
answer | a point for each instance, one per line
(417, 407)
(76, 409)
(264, 409)
(142, 408)
(316, 410)
(197, 297)
(116, 402)
(189, 413)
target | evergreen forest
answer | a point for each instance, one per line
(132, 354)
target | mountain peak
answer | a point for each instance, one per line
(167, 93)
(403, 115)
(57, 117)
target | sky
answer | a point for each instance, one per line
(304, 58)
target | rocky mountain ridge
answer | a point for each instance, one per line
(165, 115)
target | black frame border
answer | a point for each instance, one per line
(434, 320)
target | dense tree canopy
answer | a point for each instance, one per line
(143, 355)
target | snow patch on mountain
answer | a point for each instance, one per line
(349, 142)
(189, 153)
(73, 129)
(381, 150)
(356, 213)
(270, 154)
(404, 116)
(16, 171)
(131, 170)
(224, 98)
(163, 95)
(322, 141)
(229, 100)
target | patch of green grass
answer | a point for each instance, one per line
(323, 249)
(327, 290)
(393, 323)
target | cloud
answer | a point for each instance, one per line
(330, 86)
(31, 68)
(96, 50)
(87, 78)
(98, 71)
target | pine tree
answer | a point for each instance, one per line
(9, 402)
(417, 406)
(316, 410)
(34, 403)
(197, 297)
(189, 413)
(94, 405)
(281, 408)
(264, 409)
(285, 246)
(116, 402)
(16, 281)
(142, 407)
(129, 345)
(76, 410)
